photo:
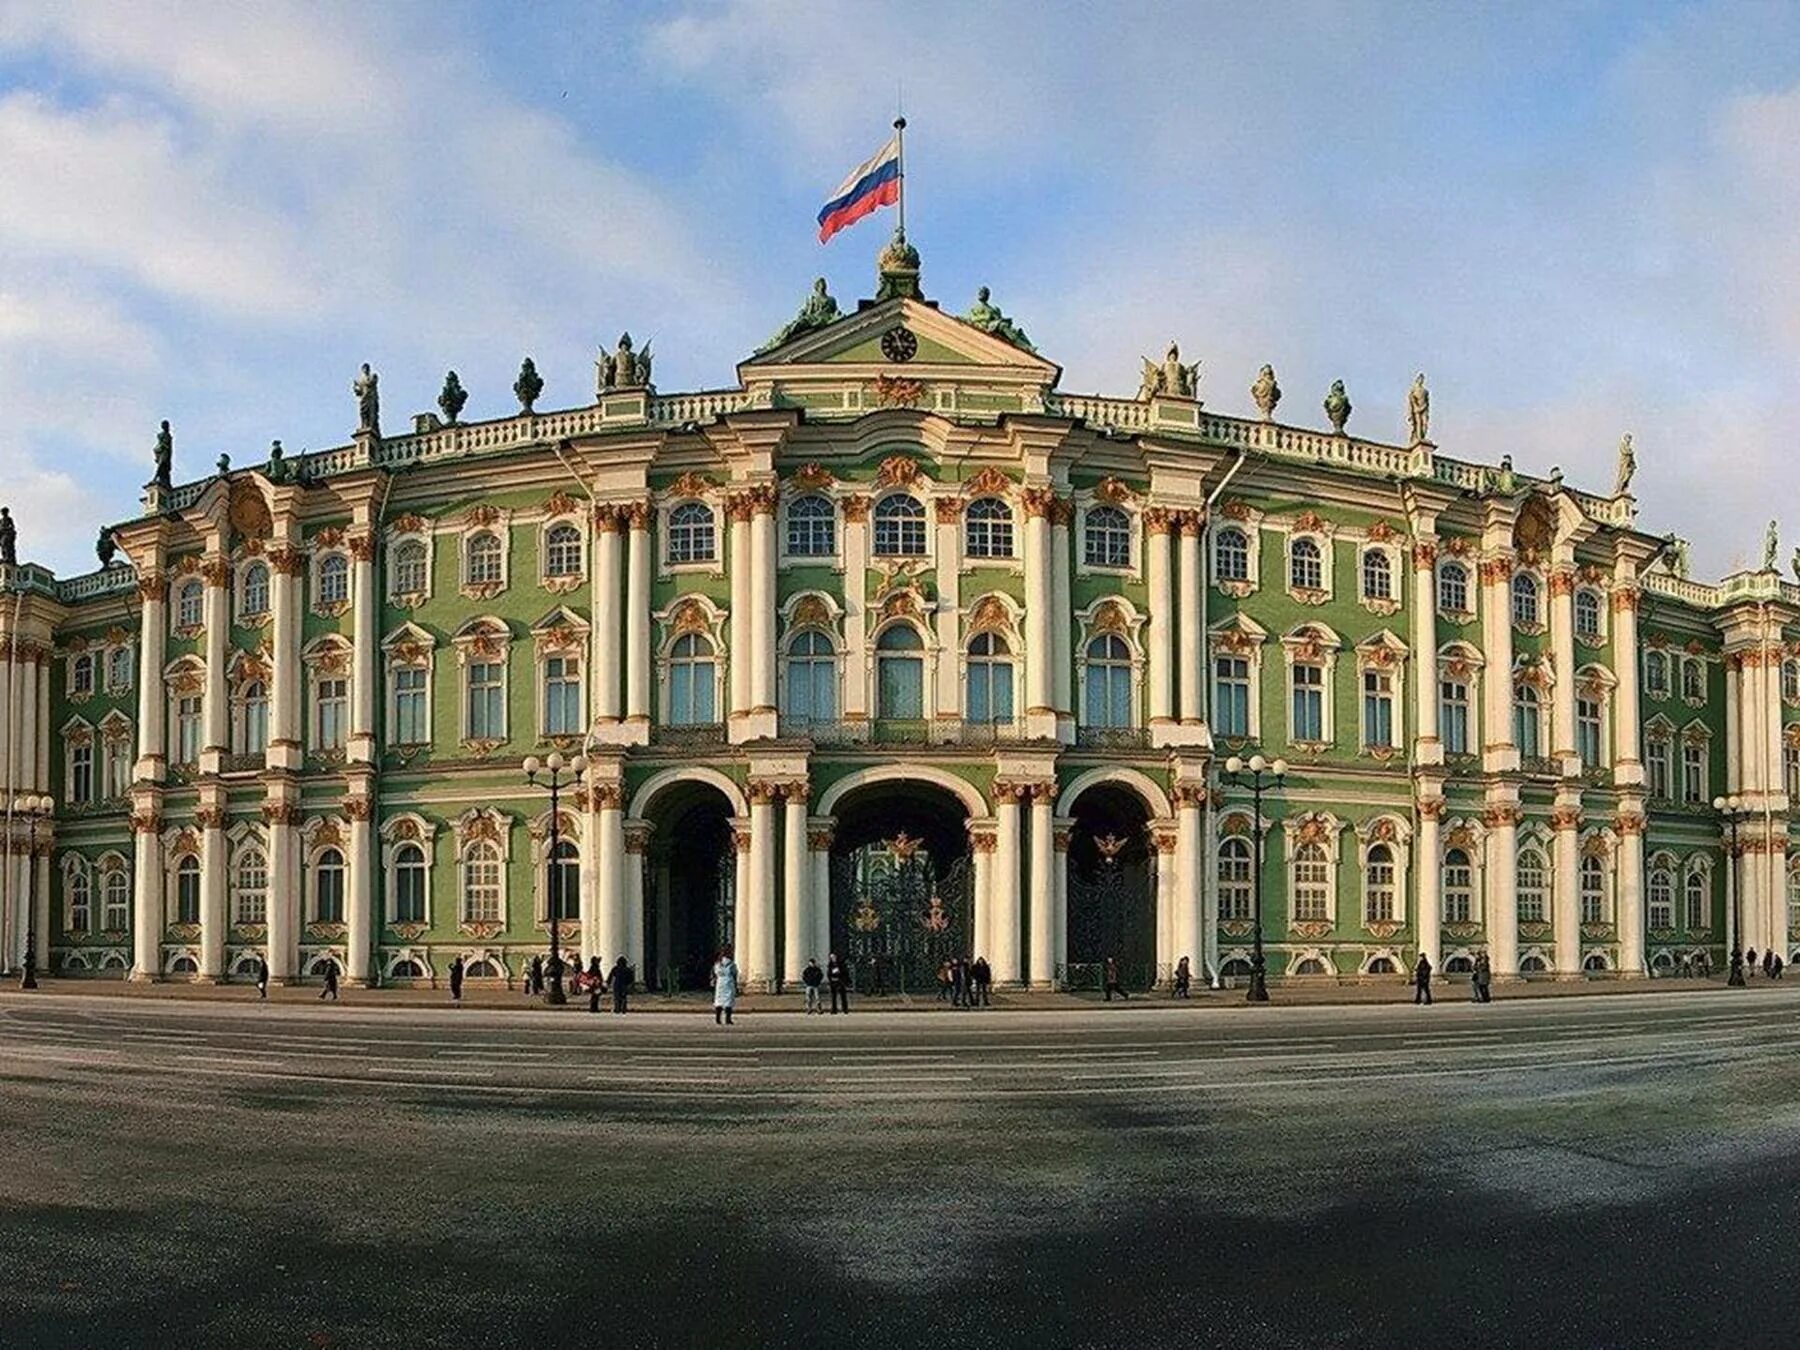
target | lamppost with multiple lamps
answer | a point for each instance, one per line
(1262, 776)
(1731, 808)
(554, 773)
(33, 809)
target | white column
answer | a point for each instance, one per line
(284, 890)
(216, 573)
(1190, 851)
(1193, 641)
(1630, 880)
(1165, 838)
(1502, 888)
(588, 906)
(1038, 642)
(762, 600)
(1628, 765)
(26, 738)
(740, 892)
(981, 846)
(1042, 890)
(1565, 819)
(738, 509)
(1003, 891)
(42, 728)
(1428, 866)
(364, 665)
(610, 874)
(1209, 894)
(1062, 670)
(604, 626)
(43, 908)
(818, 843)
(152, 693)
(760, 968)
(856, 632)
(1562, 647)
(637, 839)
(1162, 615)
(947, 701)
(284, 694)
(359, 943)
(796, 868)
(147, 893)
(9, 712)
(1424, 655)
(212, 892)
(1059, 945)
(1498, 752)
(637, 616)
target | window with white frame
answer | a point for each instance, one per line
(81, 771)
(1231, 696)
(1378, 707)
(1459, 885)
(988, 529)
(80, 916)
(250, 886)
(1306, 565)
(1660, 895)
(811, 677)
(410, 572)
(187, 889)
(1453, 716)
(1106, 682)
(1790, 681)
(1235, 863)
(811, 527)
(692, 682)
(1307, 720)
(1587, 615)
(116, 756)
(900, 674)
(562, 882)
(1231, 554)
(1693, 680)
(990, 697)
(118, 670)
(253, 597)
(485, 689)
(1658, 769)
(81, 674)
(1693, 771)
(482, 561)
(1526, 600)
(1312, 884)
(1697, 901)
(562, 696)
(1790, 769)
(187, 729)
(255, 699)
(409, 884)
(1380, 904)
(331, 703)
(481, 885)
(1590, 726)
(562, 551)
(1106, 537)
(1453, 588)
(1533, 884)
(1656, 674)
(115, 899)
(1377, 574)
(1528, 720)
(334, 579)
(693, 535)
(899, 526)
(1793, 897)
(328, 886)
(1593, 889)
(190, 605)
(412, 718)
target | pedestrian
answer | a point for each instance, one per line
(596, 983)
(959, 982)
(813, 977)
(620, 983)
(1750, 960)
(725, 982)
(535, 985)
(1769, 964)
(984, 980)
(330, 990)
(1779, 963)
(456, 980)
(1705, 965)
(1184, 978)
(262, 978)
(1422, 980)
(1484, 979)
(1112, 981)
(944, 980)
(837, 975)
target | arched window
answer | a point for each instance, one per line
(1532, 965)
(1533, 885)
(811, 677)
(692, 682)
(1310, 965)
(1699, 916)
(1459, 886)
(256, 718)
(1231, 554)
(899, 526)
(81, 901)
(1595, 962)
(1106, 537)
(1525, 600)
(988, 529)
(562, 551)
(1528, 720)
(1306, 566)
(1587, 615)
(1693, 680)
(1453, 588)
(255, 598)
(990, 679)
(1378, 885)
(118, 669)
(1377, 574)
(1107, 686)
(1593, 890)
(811, 527)
(187, 890)
(409, 568)
(481, 883)
(562, 882)
(115, 898)
(900, 673)
(328, 887)
(1656, 674)
(190, 609)
(1661, 898)
(1453, 715)
(1235, 862)
(409, 884)
(411, 725)
(250, 887)
(1312, 884)
(334, 577)
(406, 969)
(483, 560)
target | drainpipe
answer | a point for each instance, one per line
(1213, 977)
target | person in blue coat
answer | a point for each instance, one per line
(725, 985)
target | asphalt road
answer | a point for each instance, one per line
(1557, 1172)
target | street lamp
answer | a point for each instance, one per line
(1729, 807)
(554, 778)
(1257, 783)
(33, 809)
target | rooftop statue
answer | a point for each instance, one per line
(1171, 379)
(9, 540)
(1794, 563)
(988, 318)
(1627, 466)
(367, 389)
(453, 399)
(529, 386)
(165, 457)
(1506, 481)
(1337, 406)
(106, 548)
(224, 468)
(1266, 393)
(1418, 411)
(279, 470)
(816, 312)
(1771, 546)
(1682, 561)
(624, 368)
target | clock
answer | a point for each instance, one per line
(899, 344)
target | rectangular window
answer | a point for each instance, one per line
(118, 669)
(1378, 708)
(118, 768)
(1309, 703)
(1790, 764)
(410, 725)
(331, 700)
(1588, 723)
(1656, 769)
(1693, 774)
(562, 696)
(1453, 716)
(487, 701)
(1231, 696)
(81, 773)
(187, 729)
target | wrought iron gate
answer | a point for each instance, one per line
(1112, 912)
(896, 915)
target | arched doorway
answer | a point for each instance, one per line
(690, 884)
(1111, 890)
(902, 898)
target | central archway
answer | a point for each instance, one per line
(1112, 889)
(690, 880)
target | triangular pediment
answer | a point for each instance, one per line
(942, 340)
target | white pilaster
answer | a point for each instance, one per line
(604, 627)
(281, 817)
(1059, 954)
(1565, 892)
(364, 668)
(738, 562)
(1040, 716)
(1193, 653)
(856, 629)
(1498, 753)
(1042, 891)
(796, 867)
(286, 563)
(359, 895)
(762, 611)
(1190, 852)
(1502, 878)
(1164, 837)
(147, 889)
(1429, 868)
(588, 905)
(1631, 885)
(637, 620)
(1429, 748)
(1062, 668)
(1562, 648)
(1003, 886)
(637, 837)
(213, 917)
(947, 701)
(1628, 765)
(216, 573)
(614, 938)
(1162, 615)
(760, 966)
(818, 844)
(152, 693)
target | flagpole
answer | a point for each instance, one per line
(900, 135)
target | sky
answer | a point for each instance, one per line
(1577, 218)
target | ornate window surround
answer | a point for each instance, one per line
(328, 656)
(1456, 552)
(243, 670)
(1597, 683)
(483, 825)
(810, 612)
(568, 835)
(1468, 834)
(318, 835)
(1464, 663)
(78, 871)
(484, 519)
(693, 487)
(1541, 580)
(1238, 635)
(398, 831)
(1313, 827)
(329, 545)
(562, 633)
(409, 647)
(1313, 643)
(692, 613)
(1383, 650)
(485, 638)
(241, 838)
(250, 557)
(408, 529)
(1109, 492)
(999, 614)
(184, 677)
(79, 733)
(117, 738)
(1395, 831)
(1321, 532)
(560, 510)
(1248, 521)
(1111, 615)
(929, 654)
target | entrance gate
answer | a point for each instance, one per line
(1108, 909)
(897, 914)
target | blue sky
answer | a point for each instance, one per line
(1578, 219)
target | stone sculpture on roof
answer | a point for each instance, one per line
(624, 368)
(367, 388)
(816, 312)
(1171, 379)
(1418, 411)
(988, 318)
(1266, 393)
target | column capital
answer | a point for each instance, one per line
(636, 513)
(949, 510)
(361, 544)
(1158, 519)
(856, 509)
(210, 817)
(1038, 502)
(1566, 818)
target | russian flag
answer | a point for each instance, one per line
(873, 183)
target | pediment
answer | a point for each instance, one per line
(945, 344)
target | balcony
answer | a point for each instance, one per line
(243, 763)
(691, 733)
(902, 731)
(1113, 738)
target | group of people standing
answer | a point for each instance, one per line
(965, 982)
(1772, 964)
(1481, 980)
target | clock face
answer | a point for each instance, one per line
(899, 344)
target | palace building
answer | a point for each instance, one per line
(892, 647)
